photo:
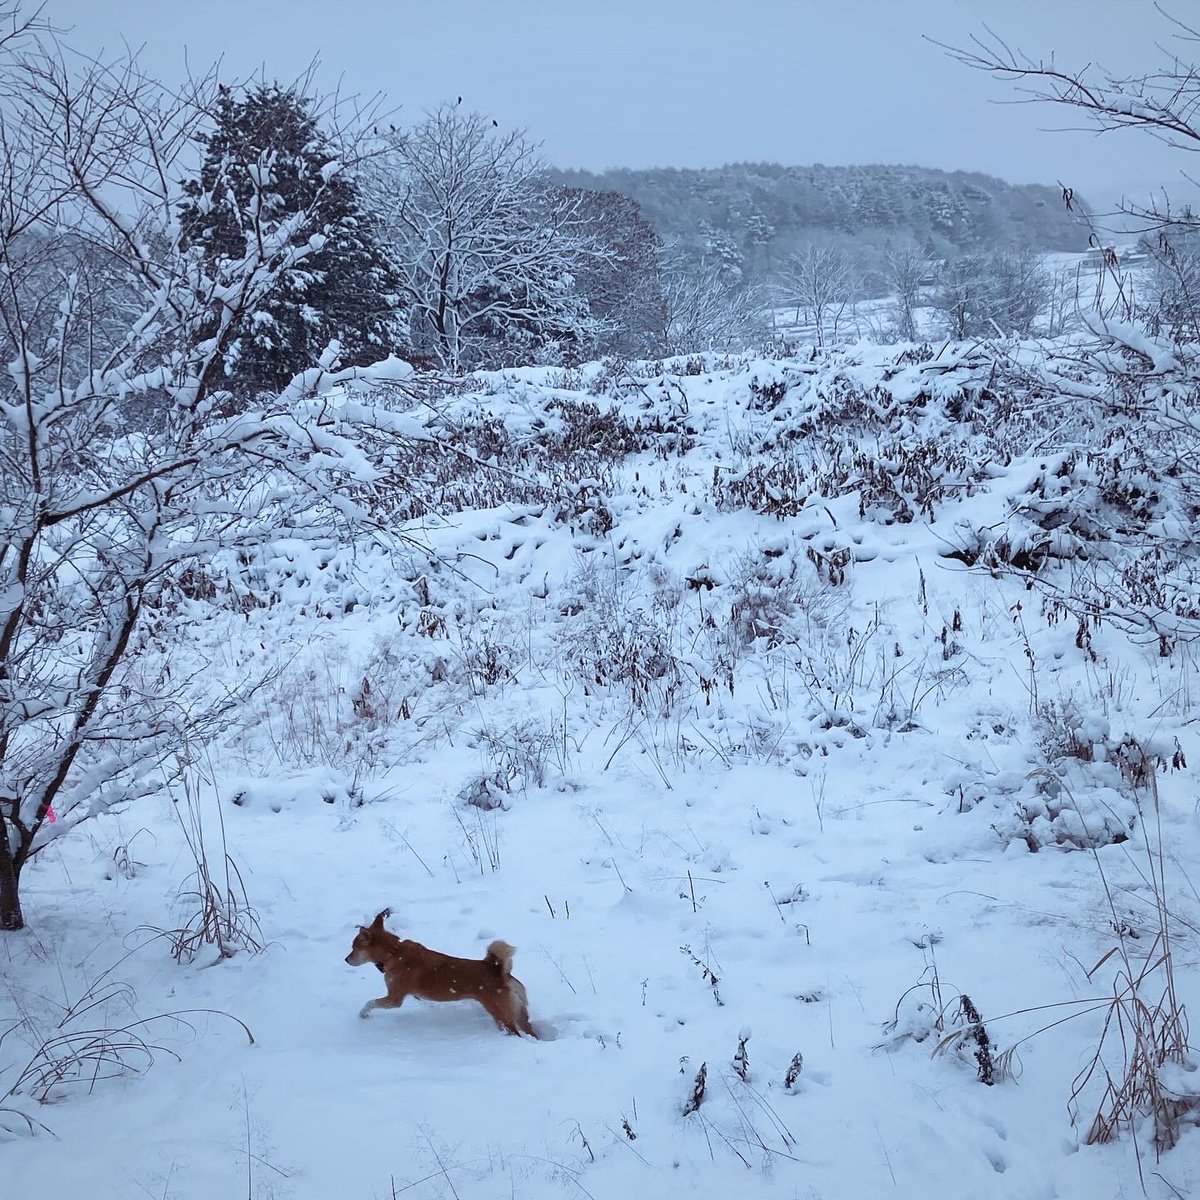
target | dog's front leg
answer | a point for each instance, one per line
(382, 1002)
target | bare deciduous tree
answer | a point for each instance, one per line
(820, 280)
(1139, 370)
(99, 525)
(1172, 299)
(905, 269)
(1163, 103)
(1062, 299)
(706, 311)
(486, 248)
(979, 295)
(1018, 291)
(624, 289)
(958, 296)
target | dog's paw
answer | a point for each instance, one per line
(364, 1013)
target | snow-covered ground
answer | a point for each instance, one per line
(1079, 287)
(710, 725)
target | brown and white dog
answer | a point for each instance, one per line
(411, 969)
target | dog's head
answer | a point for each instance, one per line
(366, 947)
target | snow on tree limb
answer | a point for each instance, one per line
(124, 469)
(487, 251)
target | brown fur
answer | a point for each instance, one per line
(411, 969)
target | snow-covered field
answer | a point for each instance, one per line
(1079, 286)
(689, 701)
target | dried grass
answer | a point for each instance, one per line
(86, 1047)
(217, 911)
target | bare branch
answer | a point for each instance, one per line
(1164, 103)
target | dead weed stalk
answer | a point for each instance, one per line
(217, 910)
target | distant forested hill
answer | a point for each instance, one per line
(748, 217)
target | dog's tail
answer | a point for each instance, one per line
(501, 953)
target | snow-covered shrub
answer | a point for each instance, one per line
(776, 595)
(556, 447)
(904, 445)
(1088, 793)
(780, 486)
(476, 465)
(583, 428)
(487, 790)
(515, 757)
(1064, 730)
(485, 649)
(1121, 489)
(1073, 800)
(584, 507)
(1071, 810)
(1067, 776)
(767, 390)
(325, 711)
(610, 640)
(904, 479)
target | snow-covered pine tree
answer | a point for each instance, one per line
(267, 142)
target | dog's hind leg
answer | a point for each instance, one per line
(382, 1002)
(520, 1006)
(499, 1008)
(506, 1010)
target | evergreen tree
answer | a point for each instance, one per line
(268, 155)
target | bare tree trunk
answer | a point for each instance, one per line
(837, 319)
(449, 352)
(11, 918)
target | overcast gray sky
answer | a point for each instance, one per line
(688, 82)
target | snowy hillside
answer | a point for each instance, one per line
(817, 729)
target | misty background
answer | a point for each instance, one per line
(657, 179)
(687, 83)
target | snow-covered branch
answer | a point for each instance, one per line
(124, 469)
(487, 251)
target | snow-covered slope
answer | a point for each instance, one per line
(722, 690)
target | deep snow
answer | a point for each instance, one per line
(781, 860)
